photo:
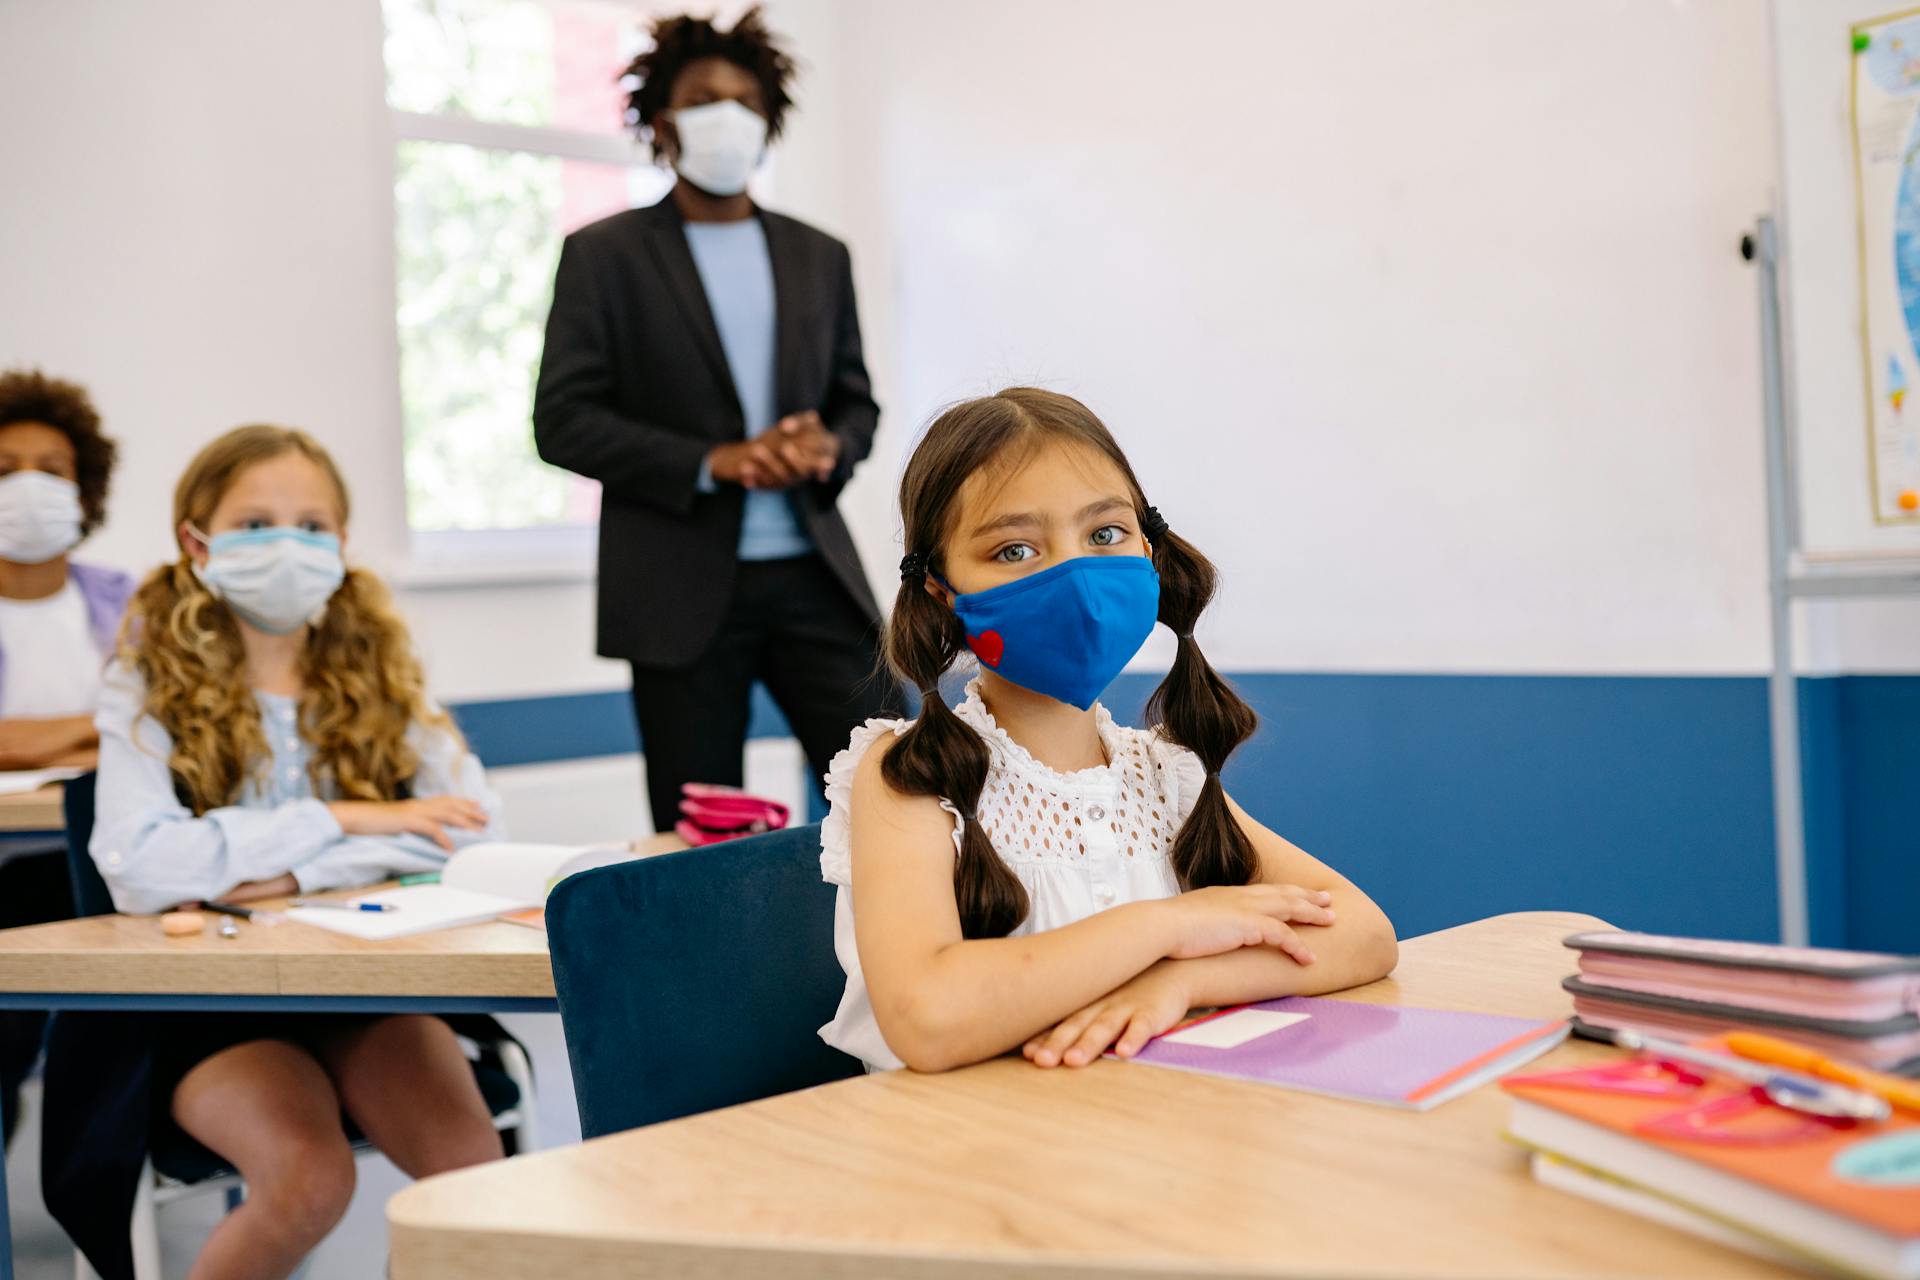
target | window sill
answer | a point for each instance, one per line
(455, 561)
(430, 575)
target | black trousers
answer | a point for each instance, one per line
(33, 890)
(792, 626)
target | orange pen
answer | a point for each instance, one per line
(1901, 1092)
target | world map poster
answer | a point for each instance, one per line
(1886, 155)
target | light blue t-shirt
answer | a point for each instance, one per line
(737, 274)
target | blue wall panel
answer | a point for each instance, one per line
(1645, 800)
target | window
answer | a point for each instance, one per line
(510, 133)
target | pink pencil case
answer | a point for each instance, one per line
(1862, 1006)
(710, 814)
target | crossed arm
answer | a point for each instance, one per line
(1125, 974)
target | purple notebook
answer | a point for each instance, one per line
(1414, 1058)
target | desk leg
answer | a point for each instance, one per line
(6, 1214)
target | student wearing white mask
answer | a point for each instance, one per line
(264, 729)
(57, 621)
(703, 363)
(57, 617)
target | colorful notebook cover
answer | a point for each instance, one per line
(1854, 1173)
(1391, 1054)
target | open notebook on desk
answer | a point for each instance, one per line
(15, 782)
(480, 882)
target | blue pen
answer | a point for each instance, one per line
(344, 906)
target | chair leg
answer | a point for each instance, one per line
(516, 1066)
(145, 1229)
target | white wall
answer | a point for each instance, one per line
(1444, 296)
(1424, 320)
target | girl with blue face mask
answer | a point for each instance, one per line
(1020, 870)
(265, 730)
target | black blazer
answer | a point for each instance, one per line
(634, 391)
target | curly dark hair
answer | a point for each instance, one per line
(28, 395)
(678, 41)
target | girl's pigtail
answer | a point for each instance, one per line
(1197, 709)
(940, 756)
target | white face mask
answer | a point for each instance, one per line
(278, 579)
(39, 517)
(720, 143)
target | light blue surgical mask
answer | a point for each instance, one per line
(40, 516)
(278, 579)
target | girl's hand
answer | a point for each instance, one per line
(429, 817)
(253, 890)
(35, 744)
(1123, 1020)
(1208, 922)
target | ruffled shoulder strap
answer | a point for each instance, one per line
(1180, 771)
(836, 829)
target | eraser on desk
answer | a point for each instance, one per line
(182, 924)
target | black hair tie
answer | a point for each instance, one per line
(913, 568)
(1152, 523)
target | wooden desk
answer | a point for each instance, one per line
(113, 960)
(33, 810)
(1114, 1170)
(125, 962)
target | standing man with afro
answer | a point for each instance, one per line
(703, 364)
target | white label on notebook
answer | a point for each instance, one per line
(1231, 1030)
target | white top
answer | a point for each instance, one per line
(1080, 842)
(153, 852)
(53, 664)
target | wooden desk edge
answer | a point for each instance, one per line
(33, 960)
(426, 1244)
(40, 811)
(422, 1250)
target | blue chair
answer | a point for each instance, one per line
(178, 1167)
(695, 980)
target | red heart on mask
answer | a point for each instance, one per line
(989, 646)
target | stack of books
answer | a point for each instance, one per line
(1763, 1167)
(1855, 1006)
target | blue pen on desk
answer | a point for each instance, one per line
(344, 906)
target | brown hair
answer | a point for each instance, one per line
(28, 395)
(362, 688)
(940, 756)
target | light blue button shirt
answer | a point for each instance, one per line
(737, 274)
(153, 852)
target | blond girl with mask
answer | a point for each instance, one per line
(265, 730)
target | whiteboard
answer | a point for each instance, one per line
(1822, 297)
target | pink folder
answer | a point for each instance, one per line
(1391, 1054)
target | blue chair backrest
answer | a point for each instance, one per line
(90, 896)
(696, 980)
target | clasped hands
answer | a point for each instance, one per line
(796, 448)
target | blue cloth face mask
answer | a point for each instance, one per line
(1065, 632)
(277, 579)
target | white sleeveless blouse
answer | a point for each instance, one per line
(1080, 842)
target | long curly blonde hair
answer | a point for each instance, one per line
(361, 686)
